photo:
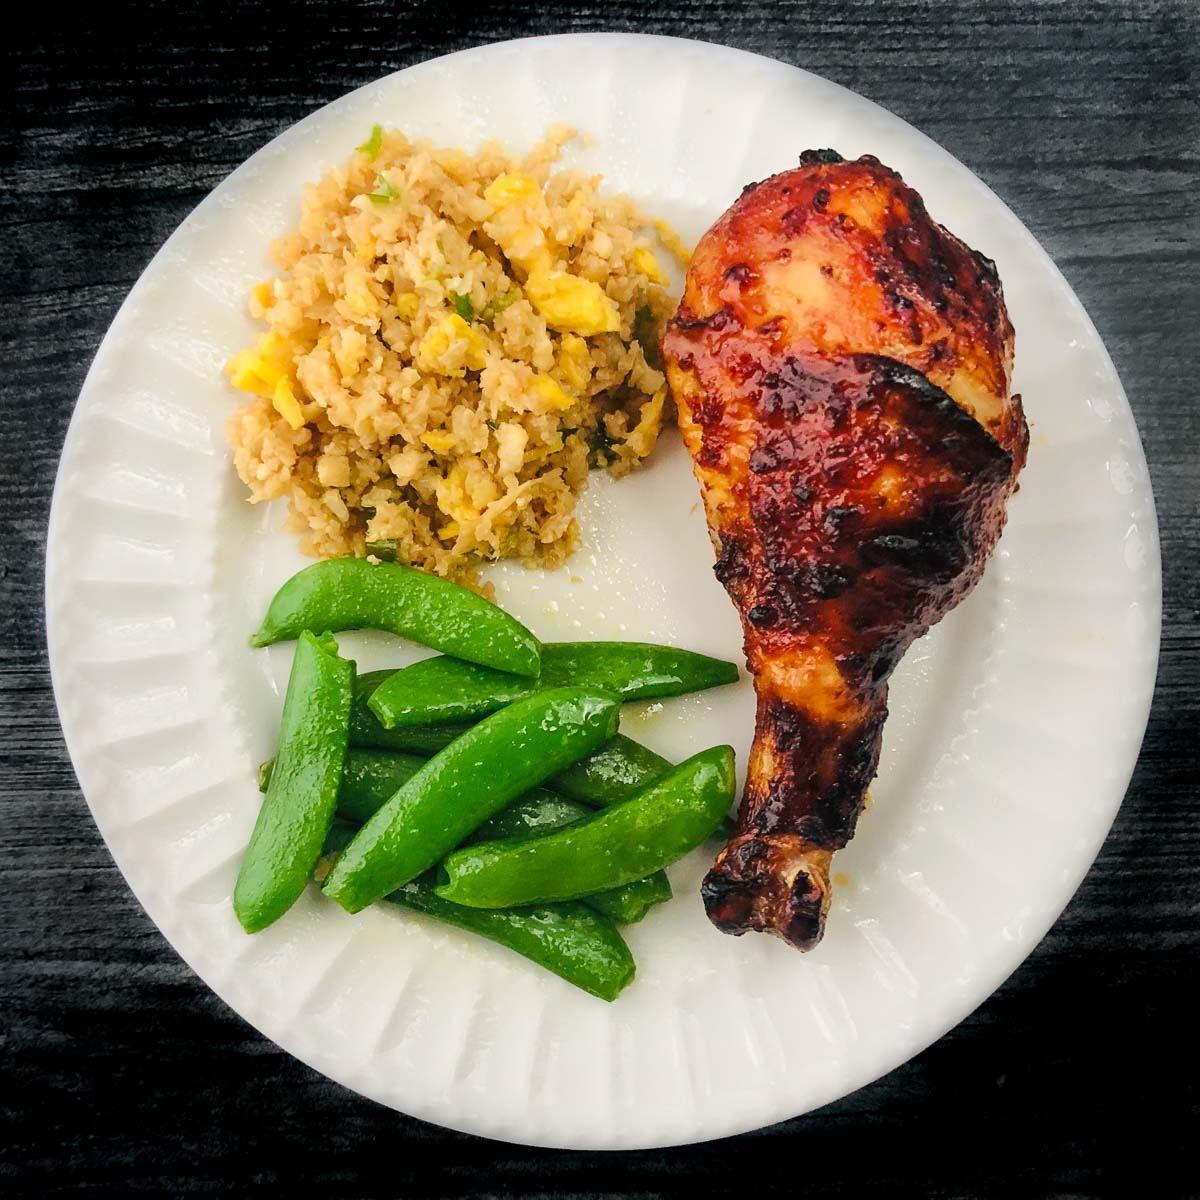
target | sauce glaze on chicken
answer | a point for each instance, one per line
(840, 364)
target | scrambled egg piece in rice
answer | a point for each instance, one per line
(454, 341)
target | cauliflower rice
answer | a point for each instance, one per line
(453, 342)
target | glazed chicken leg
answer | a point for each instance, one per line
(840, 364)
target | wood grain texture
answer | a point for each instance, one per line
(124, 1073)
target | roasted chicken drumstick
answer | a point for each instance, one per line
(840, 364)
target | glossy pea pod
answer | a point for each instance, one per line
(540, 811)
(448, 689)
(300, 800)
(626, 841)
(352, 593)
(366, 731)
(458, 789)
(618, 770)
(613, 772)
(571, 940)
(371, 778)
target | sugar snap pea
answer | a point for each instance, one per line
(628, 903)
(620, 843)
(448, 689)
(573, 941)
(370, 780)
(541, 811)
(371, 777)
(299, 805)
(613, 772)
(352, 593)
(479, 773)
(365, 729)
(537, 809)
(616, 770)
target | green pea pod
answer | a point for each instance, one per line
(371, 777)
(571, 940)
(536, 810)
(541, 811)
(365, 729)
(628, 903)
(618, 769)
(615, 772)
(299, 805)
(351, 593)
(618, 844)
(448, 689)
(479, 773)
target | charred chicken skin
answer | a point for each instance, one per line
(840, 364)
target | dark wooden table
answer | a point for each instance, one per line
(121, 1071)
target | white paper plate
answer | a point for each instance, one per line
(1014, 725)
